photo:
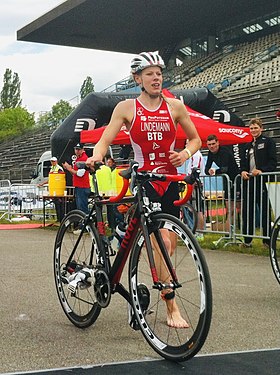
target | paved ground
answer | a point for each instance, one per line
(36, 335)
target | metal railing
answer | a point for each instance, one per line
(255, 204)
(224, 212)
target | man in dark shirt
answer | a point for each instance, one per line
(226, 163)
(259, 156)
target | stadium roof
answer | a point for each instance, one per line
(131, 26)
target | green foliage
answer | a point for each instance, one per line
(61, 110)
(43, 119)
(215, 241)
(58, 113)
(87, 88)
(15, 121)
(10, 94)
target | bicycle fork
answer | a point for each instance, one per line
(160, 247)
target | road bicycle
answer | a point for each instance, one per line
(274, 249)
(88, 271)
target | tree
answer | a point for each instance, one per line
(10, 94)
(59, 112)
(86, 88)
(15, 121)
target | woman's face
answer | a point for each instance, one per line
(151, 79)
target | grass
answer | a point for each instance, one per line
(209, 242)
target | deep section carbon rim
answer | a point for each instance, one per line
(194, 297)
(275, 249)
(81, 308)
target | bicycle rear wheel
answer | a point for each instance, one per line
(194, 297)
(274, 250)
(81, 308)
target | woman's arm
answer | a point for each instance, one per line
(181, 116)
(119, 117)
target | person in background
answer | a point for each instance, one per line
(154, 148)
(223, 158)
(110, 162)
(125, 151)
(81, 181)
(259, 156)
(114, 216)
(197, 161)
(58, 202)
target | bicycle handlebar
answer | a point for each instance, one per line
(131, 173)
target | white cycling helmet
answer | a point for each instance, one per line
(144, 60)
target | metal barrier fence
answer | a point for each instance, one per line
(260, 206)
(18, 200)
(242, 210)
(224, 212)
(28, 201)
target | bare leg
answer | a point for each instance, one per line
(174, 317)
(230, 204)
(200, 222)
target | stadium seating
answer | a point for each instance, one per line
(245, 77)
(23, 154)
(247, 64)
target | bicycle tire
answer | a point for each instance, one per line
(194, 297)
(82, 308)
(189, 216)
(274, 249)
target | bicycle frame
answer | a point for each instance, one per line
(140, 218)
(173, 317)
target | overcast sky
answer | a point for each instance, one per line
(49, 73)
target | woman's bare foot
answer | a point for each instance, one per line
(174, 317)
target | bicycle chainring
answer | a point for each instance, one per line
(102, 288)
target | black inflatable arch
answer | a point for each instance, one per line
(96, 109)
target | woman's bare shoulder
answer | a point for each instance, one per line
(126, 104)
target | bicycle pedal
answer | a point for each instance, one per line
(132, 321)
(144, 301)
(82, 280)
(72, 286)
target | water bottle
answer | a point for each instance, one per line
(118, 236)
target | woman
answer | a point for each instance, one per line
(151, 121)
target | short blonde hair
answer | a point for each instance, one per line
(256, 121)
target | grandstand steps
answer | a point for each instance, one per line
(251, 68)
(19, 156)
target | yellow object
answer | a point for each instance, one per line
(119, 179)
(57, 183)
(104, 180)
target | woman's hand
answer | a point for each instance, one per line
(178, 158)
(92, 160)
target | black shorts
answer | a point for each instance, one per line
(238, 191)
(167, 199)
(197, 200)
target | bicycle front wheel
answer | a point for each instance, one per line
(81, 307)
(193, 297)
(274, 250)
